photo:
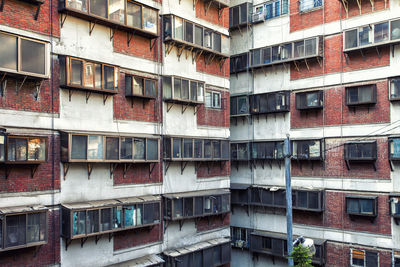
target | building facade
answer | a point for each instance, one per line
(114, 140)
(327, 74)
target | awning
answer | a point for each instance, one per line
(22, 209)
(239, 186)
(198, 193)
(146, 261)
(196, 247)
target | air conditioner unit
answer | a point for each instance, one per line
(257, 18)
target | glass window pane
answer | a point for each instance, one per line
(33, 228)
(188, 148)
(188, 206)
(207, 149)
(313, 200)
(350, 39)
(207, 38)
(367, 206)
(76, 75)
(37, 149)
(152, 149)
(299, 49)
(139, 148)
(352, 95)
(150, 20)
(33, 58)
(150, 88)
(207, 204)
(178, 208)
(208, 99)
(302, 199)
(225, 150)
(243, 13)
(109, 77)
(200, 92)
(198, 35)
(381, 32)
(216, 100)
(313, 99)
(256, 57)
(216, 149)
(217, 42)
(98, 75)
(365, 94)
(178, 28)
(275, 53)
(176, 147)
(137, 86)
(353, 206)
(95, 147)
(99, 8)
(126, 148)
(92, 221)
(311, 47)
(89, 75)
(17, 149)
(198, 209)
(395, 29)
(2, 150)
(217, 255)
(79, 147)
(116, 11)
(198, 148)
(139, 214)
(133, 15)
(129, 215)
(225, 203)
(112, 148)
(364, 34)
(15, 232)
(193, 91)
(8, 51)
(177, 88)
(185, 89)
(266, 54)
(286, 51)
(188, 32)
(116, 219)
(78, 4)
(167, 87)
(105, 219)
(314, 149)
(79, 222)
(148, 213)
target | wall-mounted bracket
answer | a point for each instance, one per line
(279, 164)
(153, 44)
(113, 166)
(181, 222)
(183, 166)
(184, 107)
(91, 27)
(7, 171)
(195, 110)
(306, 62)
(67, 243)
(105, 96)
(37, 12)
(151, 169)
(38, 86)
(222, 165)
(207, 7)
(33, 170)
(110, 236)
(197, 166)
(88, 94)
(97, 238)
(296, 66)
(89, 169)
(391, 165)
(129, 36)
(167, 164)
(83, 241)
(112, 32)
(169, 106)
(194, 3)
(180, 51)
(18, 88)
(63, 17)
(220, 12)
(127, 166)
(66, 168)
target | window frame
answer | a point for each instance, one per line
(143, 95)
(359, 198)
(4, 216)
(392, 154)
(212, 94)
(27, 138)
(310, 9)
(296, 153)
(256, 107)
(236, 113)
(392, 81)
(359, 88)
(349, 144)
(235, 25)
(320, 203)
(18, 70)
(300, 105)
(189, 100)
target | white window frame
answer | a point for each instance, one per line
(351, 258)
(210, 103)
(301, 3)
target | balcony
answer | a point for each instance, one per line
(195, 205)
(131, 17)
(195, 39)
(287, 53)
(91, 148)
(23, 227)
(211, 253)
(96, 218)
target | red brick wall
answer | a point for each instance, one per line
(213, 67)
(332, 11)
(339, 255)
(19, 179)
(335, 60)
(138, 46)
(21, 15)
(335, 215)
(215, 117)
(142, 109)
(45, 255)
(25, 100)
(214, 169)
(212, 14)
(335, 165)
(213, 222)
(335, 111)
(138, 174)
(137, 237)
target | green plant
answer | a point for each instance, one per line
(301, 256)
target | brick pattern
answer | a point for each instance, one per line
(338, 255)
(45, 255)
(212, 14)
(213, 67)
(19, 179)
(138, 174)
(336, 61)
(335, 165)
(139, 46)
(142, 109)
(214, 169)
(336, 112)
(21, 15)
(24, 98)
(213, 222)
(332, 11)
(335, 215)
(137, 237)
(215, 117)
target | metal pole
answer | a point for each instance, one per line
(289, 220)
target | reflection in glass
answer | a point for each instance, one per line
(139, 148)
(76, 72)
(126, 148)
(150, 20)
(99, 8)
(37, 149)
(8, 51)
(95, 147)
(133, 15)
(116, 10)
(33, 58)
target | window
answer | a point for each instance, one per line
(310, 100)
(363, 258)
(395, 88)
(150, 21)
(275, 9)
(362, 206)
(395, 30)
(306, 5)
(213, 99)
(394, 148)
(152, 149)
(395, 206)
(198, 35)
(360, 150)
(351, 39)
(95, 147)
(307, 200)
(133, 15)
(188, 148)
(239, 105)
(139, 148)
(177, 147)
(240, 151)
(307, 150)
(359, 95)
(22, 55)
(396, 262)
(269, 103)
(26, 149)
(188, 32)
(137, 86)
(112, 148)
(184, 90)
(239, 15)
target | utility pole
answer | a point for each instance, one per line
(289, 220)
